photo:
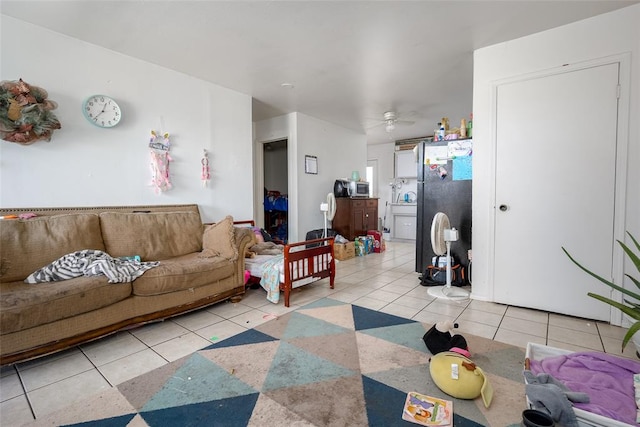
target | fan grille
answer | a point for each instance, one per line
(439, 224)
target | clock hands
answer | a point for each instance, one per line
(104, 107)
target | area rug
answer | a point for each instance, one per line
(325, 364)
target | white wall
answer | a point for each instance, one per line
(605, 35)
(339, 151)
(86, 166)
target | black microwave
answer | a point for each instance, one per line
(341, 188)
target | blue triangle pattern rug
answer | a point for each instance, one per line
(326, 364)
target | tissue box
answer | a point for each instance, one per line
(344, 251)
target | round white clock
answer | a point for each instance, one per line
(102, 111)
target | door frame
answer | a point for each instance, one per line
(258, 182)
(622, 144)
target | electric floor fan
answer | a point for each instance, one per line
(442, 234)
(329, 210)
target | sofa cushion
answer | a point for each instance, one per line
(219, 240)
(153, 236)
(24, 306)
(27, 245)
(184, 272)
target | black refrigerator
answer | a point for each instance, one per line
(444, 185)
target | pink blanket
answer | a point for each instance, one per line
(607, 379)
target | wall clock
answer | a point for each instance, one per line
(101, 110)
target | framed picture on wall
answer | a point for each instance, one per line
(311, 164)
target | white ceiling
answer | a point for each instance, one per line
(349, 61)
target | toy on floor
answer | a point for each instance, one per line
(439, 338)
(450, 367)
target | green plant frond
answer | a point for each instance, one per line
(635, 305)
(633, 257)
(634, 280)
(634, 241)
(603, 280)
(630, 333)
(630, 311)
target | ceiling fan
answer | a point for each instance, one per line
(390, 119)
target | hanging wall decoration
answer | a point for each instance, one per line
(205, 177)
(160, 159)
(25, 113)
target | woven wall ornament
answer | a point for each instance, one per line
(25, 113)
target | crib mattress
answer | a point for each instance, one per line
(256, 266)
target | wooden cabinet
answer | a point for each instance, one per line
(355, 216)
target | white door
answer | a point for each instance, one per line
(555, 181)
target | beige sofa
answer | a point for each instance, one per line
(198, 265)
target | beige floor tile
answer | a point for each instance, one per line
(352, 278)
(409, 301)
(345, 296)
(420, 292)
(55, 370)
(475, 328)
(607, 330)
(23, 366)
(255, 298)
(489, 307)
(575, 323)
(398, 288)
(15, 412)
(431, 318)
(517, 338)
(59, 394)
(484, 317)
(614, 346)
(574, 337)
(400, 310)
(383, 295)
(227, 309)
(442, 308)
(112, 348)
(197, 319)
(253, 318)
(370, 303)
(220, 331)
(155, 333)
(181, 346)
(528, 314)
(131, 366)
(10, 386)
(521, 325)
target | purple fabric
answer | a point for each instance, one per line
(607, 379)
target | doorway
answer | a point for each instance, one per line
(556, 160)
(276, 190)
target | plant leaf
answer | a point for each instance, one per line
(633, 257)
(630, 333)
(630, 311)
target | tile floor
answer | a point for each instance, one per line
(384, 282)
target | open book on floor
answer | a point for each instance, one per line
(427, 410)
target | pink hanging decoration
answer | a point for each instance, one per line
(205, 177)
(160, 159)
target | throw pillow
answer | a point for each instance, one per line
(219, 240)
